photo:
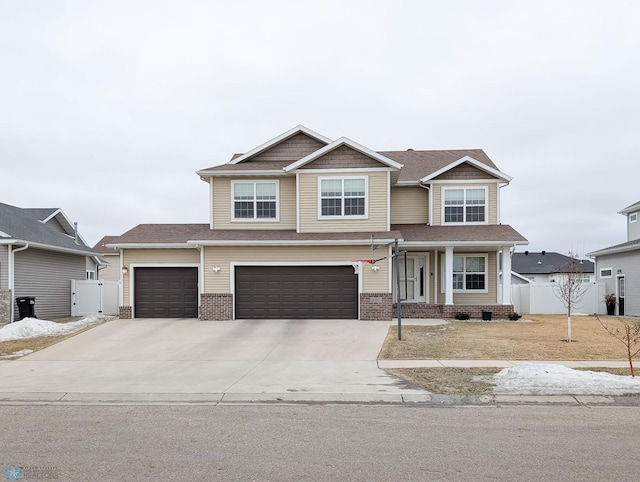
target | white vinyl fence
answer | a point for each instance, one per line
(91, 297)
(540, 298)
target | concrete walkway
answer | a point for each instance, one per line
(497, 363)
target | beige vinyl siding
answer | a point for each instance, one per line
(47, 275)
(223, 205)
(156, 257)
(292, 149)
(492, 201)
(223, 256)
(491, 297)
(377, 188)
(111, 272)
(409, 205)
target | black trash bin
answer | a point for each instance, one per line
(486, 315)
(26, 306)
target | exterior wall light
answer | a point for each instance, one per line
(216, 269)
(125, 270)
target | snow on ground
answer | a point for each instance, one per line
(34, 328)
(549, 379)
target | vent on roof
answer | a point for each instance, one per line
(410, 149)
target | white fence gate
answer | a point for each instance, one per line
(539, 298)
(91, 297)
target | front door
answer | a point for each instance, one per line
(413, 280)
(621, 293)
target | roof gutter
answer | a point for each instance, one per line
(289, 242)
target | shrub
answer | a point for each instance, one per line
(513, 316)
(462, 316)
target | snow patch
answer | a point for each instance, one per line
(34, 328)
(550, 379)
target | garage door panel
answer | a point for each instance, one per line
(316, 292)
(166, 292)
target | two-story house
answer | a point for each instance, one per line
(306, 227)
(618, 266)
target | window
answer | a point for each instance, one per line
(465, 205)
(255, 200)
(469, 273)
(91, 275)
(633, 217)
(343, 197)
(606, 273)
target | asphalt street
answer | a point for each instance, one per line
(320, 442)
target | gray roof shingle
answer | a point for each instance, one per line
(26, 225)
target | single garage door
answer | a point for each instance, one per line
(314, 292)
(166, 292)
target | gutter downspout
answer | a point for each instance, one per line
(11, 276)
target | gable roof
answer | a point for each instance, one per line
(547, 263)
(412, 167)
(277, 140)
(29, 226)
(343, 141)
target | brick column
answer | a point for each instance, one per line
(125, 312)
(5, 306)
(216, 306)
(376, 306)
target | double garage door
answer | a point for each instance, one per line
(313, 292)
(261, 292)
(166, 292)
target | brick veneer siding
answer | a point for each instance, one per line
(216, 306)
(376, 306)
(5, 306)
(423, 310)
(124, 312)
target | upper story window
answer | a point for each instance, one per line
(255, 200)
(470, 273)
(465, 205)
(633, 217)
(343, 197)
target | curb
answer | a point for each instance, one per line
(424, 400)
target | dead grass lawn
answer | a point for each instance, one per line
(541, 337)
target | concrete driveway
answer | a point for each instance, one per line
(193, 360)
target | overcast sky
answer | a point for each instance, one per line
(107, 108)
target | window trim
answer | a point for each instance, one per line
(465, 290)
(633, 217)
(610, 275)
(344, 216)
(464, 205)
(254, 219)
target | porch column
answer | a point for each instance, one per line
(506, 275)
(448, 275)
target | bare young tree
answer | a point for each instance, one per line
(570, 287)
(628, 332)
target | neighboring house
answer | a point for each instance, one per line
(544, 267)
(304, 227)
(111, 270)
(619, 267)
(40, 253)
